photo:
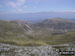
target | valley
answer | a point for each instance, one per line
(48, 32)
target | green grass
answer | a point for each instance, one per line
(27, 41)
(12, 33)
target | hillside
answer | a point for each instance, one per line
(14, 31)
(55, 24)
(48, 32)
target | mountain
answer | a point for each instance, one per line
(55, 24)
(38, 16)
(15, 28)
(72, 19)
(48, 32)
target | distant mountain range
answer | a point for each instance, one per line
(35, 17)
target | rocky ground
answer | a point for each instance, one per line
(11, 50)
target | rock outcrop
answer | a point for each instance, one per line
(11, 50)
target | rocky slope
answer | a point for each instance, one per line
(11, 50)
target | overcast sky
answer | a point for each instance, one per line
(27, 6)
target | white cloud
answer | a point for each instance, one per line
(73, 10)
(18, 3)
(12, 4)
(21, 2)
(70, 11)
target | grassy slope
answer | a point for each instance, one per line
(56, 39)
(13, 34)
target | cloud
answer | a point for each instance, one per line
(21, 2)
(12, 4)
(18, 3)
(73, 10)
(70, 10)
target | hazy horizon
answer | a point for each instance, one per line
(36, 9)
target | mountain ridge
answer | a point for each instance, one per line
(49, 31)
(38, 16)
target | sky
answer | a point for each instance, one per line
(28, 6)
